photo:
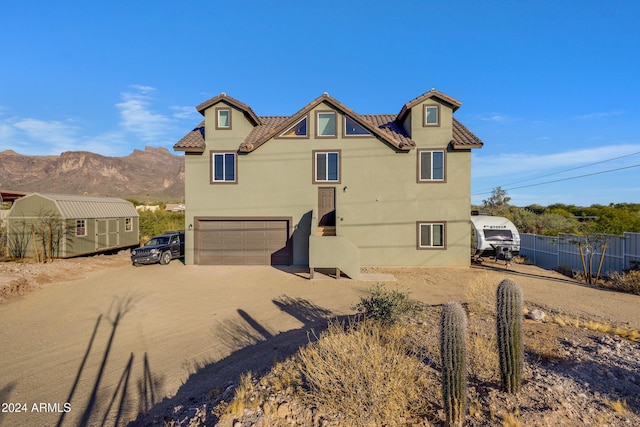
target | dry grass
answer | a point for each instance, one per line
(592, 325)
(245, 396)
(544, 343)
(617, 406)
(482, 350)
(363, 374)
(511, 420)
(625, 282)
(481, 294)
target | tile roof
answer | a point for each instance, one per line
(193, 141)
(452, 102)
(384, 126)
(387, 124)
(277, 126)
(223, 97)
(463, 138)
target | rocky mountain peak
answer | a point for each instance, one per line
(154, 173)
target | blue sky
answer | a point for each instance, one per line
(551, 87)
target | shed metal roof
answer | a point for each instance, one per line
(72, 206)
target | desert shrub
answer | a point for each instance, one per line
(482, 357)
(480, 294)
(626, 282)
(386, 306)
(565, 270)
(365, 374)
(153, 223)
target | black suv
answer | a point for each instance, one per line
(160, 249)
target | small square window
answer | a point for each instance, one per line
(326, 124)
(81, 229)
(431, 235)
(326, 166)
(430, 165)
(351, 128)
(223, 168)
(128, 224)
(223, 118)
(431, 115)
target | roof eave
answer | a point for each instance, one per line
(198, 150)
(457, 146)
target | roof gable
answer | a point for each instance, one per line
(279, 125)
(387, 127)
(452, 103)
(223, 97)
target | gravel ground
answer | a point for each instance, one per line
(255, 315)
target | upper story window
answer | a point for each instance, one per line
(431, 165)
(351, 128)
(431, 115)
(223, 118)
(326, 166)
(431, 235)
(128, 224)
(299, 130)
(326, 124)
(223, 168)
(81, 229)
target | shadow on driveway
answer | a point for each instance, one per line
(255, 349)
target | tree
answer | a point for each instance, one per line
(49, 229)
(498, 203)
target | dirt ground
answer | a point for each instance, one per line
(95, 340)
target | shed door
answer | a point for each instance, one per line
(102, 235)
(242, 242)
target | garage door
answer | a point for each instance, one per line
(242, 242)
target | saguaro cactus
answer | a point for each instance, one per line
(453, 350)
(509, 325)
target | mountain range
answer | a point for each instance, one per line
(150, 175)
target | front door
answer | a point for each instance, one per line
(326, 206)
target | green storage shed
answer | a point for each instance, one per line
(69, 225)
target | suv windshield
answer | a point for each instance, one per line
(156, 241)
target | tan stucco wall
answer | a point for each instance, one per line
(377, 211)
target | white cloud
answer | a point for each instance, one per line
(493, 117)
(143, 88)
(139, 125)
(598, 115)
(137, 117)
(184, 112)
(507, 164)
(56, 135)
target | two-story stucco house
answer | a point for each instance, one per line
(327, 187)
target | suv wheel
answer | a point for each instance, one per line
(165, 258)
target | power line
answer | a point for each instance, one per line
(566, 170)
(564, 179)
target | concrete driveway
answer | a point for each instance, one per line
(127, 338)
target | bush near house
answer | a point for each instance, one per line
(625, 282)
(154, 223)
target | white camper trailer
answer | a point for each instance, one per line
(492, 235)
